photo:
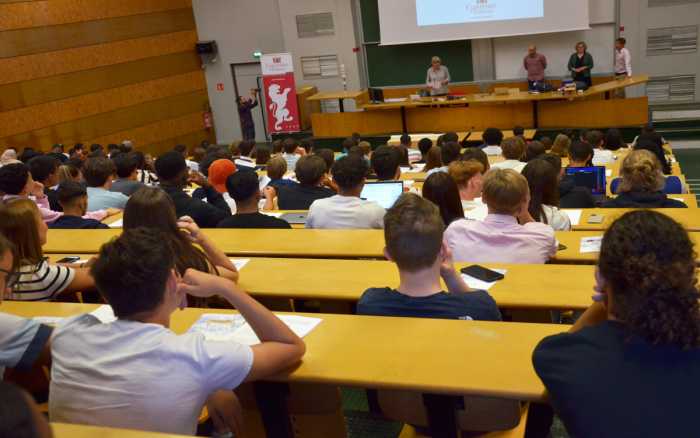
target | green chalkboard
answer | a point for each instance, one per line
(407, 64)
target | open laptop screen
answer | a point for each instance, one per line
(592, 177)
(384, 193)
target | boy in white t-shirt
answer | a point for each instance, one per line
(136, 373)
(347, 209)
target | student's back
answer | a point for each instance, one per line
(630, 367)
(310, 170)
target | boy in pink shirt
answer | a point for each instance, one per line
(509, 234)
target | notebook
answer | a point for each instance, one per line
(384, 193)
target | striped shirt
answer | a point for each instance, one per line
(41, 282)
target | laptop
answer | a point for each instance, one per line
(384, 193)
(591, 177)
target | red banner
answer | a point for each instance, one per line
(280, 93)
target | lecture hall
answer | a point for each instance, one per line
(377, 218)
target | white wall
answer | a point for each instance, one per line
(239, 28)
(637, 18)
(557, 47)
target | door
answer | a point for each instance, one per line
(246, 77)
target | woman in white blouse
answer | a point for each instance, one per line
(543, 180)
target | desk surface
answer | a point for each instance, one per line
(520, 96)
(562, 287)
(689, 218)
(63, 430)
(470, 357)
(395, 140)
(330, 95)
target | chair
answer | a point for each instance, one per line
(673, 186)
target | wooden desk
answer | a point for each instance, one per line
(531, 287)
(688, 217)
(337, 95)
(64, 430)
(475, 136)
(473, 358)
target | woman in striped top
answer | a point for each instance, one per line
(21, 223)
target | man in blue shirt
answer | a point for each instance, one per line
(99, 172)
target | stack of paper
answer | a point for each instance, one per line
(591, 244)
(222, 327)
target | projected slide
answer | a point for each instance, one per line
(436, 12)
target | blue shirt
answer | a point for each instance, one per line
(101, 199)
(21, 341)
(385, 301)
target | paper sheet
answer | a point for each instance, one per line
(119, 223)
(574, 216)
(590, 244)
(239, 263)
(221, 327)
(264, 181)
(679, 199)
(475, 283)
(273, 214)
(608, 173)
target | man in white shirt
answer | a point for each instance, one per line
(512, 150)
(492, 141)
(136, 373)
(346, 209)
(623, 64)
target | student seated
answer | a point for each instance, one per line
(152, 208)
(639, 341)
(44, 169)
(642, 184)
(449, 152)
(386, 161)
(245, 160)
(99, 173)
(543, 181)
(244, 188)
(433, 159)
(346, 209)
(73, 199)
(135, 372)
(217, 174)
(311, 174)
(21, 417)
(561, 145)
(468, 177)
(127, 182)
(17, 183)
(534, 150)
(413, 232)
(440, 189)
(414, 155)
(512, 150)
(570, 194)
(424, 145)
(508, 234)
(601, 156)
(174, 176)
(290, 155)
(276, 169)
(493, 137)
(20, 222)
(613, 140)
(478, 155)
(23, 342)
(654, 144)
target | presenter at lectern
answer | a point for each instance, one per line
(438, 78)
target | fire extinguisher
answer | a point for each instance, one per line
(207, 119)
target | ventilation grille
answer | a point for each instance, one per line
(671, 89)
(316, 67)
(672, 40)
(313, 25)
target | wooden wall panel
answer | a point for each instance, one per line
(50, 13)
(478, 117)
(36, 117)
(100, 71)
(52, 38)
(42, 90)
(594, 113)
(107, 123)
(23, 68)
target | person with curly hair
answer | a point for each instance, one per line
(630, 366)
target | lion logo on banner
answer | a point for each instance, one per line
(278, 107)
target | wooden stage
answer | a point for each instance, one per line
(592, 108)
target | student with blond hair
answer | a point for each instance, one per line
(512, 150)
(642, 184)
(469, 178)
(508, 234)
